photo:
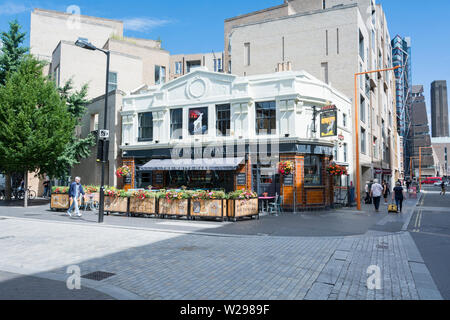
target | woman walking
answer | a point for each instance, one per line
(399, 197)
(386, 191)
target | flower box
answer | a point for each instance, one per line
(242, 208)
(173, 207)
(116, 204)
(59, 201)
(143, 206)
(208, 208)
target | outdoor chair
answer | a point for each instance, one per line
(275, 207)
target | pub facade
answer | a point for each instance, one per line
(209, 130)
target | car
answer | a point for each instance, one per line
(431, 180)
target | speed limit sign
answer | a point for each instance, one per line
(104, 134)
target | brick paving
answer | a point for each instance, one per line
(163, 265)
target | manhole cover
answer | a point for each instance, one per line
(98, 275)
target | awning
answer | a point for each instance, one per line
(193, 164)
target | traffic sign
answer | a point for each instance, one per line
(104, 134)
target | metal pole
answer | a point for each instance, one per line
(420, 169)
(358, 169)
(101, 212)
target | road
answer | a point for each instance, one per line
(430, 229)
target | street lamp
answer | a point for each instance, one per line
(357, 126)
(85, 44)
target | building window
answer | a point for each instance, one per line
(198, 121)
(223, 120)
(160, 75)
(324, 4)
(218, 65)
(324, 67)
(178, 67)
(313, 170)
(56, 75)
(94, 122)
(326, 42)
(145, 126)
(337, 40)
(361, 45)
(247, 53)
(344, 120)
(176, 124)
(112, 82)
(193, 64)
(363, 109)
(363, 140)
(266, 117)
(345, 152)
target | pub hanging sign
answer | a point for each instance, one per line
(328, 122)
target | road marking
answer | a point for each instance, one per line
(418, 223)
(192, 225)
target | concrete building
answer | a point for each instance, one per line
(439, 109)
(419, 134)
(232, 131)
(182, 64)
(441, 149)
(332, 40)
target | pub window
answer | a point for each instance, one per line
(112, 81)
(176, 123)
(145, 126)
(345, 152)
(266, 117)
(313, 170)
(223, 116)
(198, 121)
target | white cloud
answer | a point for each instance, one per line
(10, 8)
(143, 24)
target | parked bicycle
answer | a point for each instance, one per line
(20, 194)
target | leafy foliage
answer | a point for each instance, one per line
(35, 125)
(12, 51)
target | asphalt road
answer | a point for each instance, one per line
(430, 229)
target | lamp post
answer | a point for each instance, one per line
(358, 169)
(85, 44)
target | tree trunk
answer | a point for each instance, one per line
(8, 186)
(25, 199)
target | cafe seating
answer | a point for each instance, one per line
(275, 207)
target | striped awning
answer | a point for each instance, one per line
(219, 164)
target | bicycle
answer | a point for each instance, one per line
(20, 194)
(90, 204)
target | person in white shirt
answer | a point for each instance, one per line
(376, 193)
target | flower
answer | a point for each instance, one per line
(285, 167)
(123, 171)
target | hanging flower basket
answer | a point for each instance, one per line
(337, 170)
(285, 167)
(123, 171)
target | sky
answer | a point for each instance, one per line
(196, 26)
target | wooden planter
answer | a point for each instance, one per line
(146, 206)
(209, 208)
(95, 196)
(113, 204)
(242, 208)
(60, 202)
(174, 207)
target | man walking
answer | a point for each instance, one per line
(375, 193)
(75, 191)
(442, 188)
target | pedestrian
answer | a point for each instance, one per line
(367, 190)
(386, 191)
(408, 184)
(399, 196)
(46, 188)
(75, 192)
(375, 192)
(442, 188)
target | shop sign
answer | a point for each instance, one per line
(241, 179)
(288, 180)
(328, 123)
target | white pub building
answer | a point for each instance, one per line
(211, 130)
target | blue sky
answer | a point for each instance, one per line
(197, 25)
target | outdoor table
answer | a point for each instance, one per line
(266, 200)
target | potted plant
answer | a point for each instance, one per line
(286, 167)
(336, 170)
(174, 202)
(242, 203)
(208, 204)
(123, 171)
(60, 198)
(116, 200)
(143, 202)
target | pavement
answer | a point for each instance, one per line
(311, 256)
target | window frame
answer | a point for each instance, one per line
(140, 127)
(179, 125)
(223, 122)
(271, 119)
(319, 169)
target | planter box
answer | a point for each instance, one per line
(60, 202)
(116, 204)
(242, 208)
(146, 206)
(95, 196)
(174, 207)
(209, 208)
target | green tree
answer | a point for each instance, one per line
(78, 148)
(35, 124)
(12, 50)
(11, 54)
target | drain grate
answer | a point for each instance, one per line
(98, 275)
